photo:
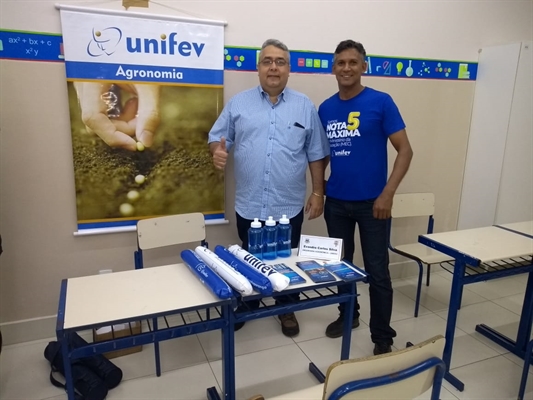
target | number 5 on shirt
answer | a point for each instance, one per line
(353, 120)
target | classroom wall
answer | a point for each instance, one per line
(37, 204)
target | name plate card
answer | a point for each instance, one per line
(321, 248)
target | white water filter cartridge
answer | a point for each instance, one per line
(279, 281)
(235, 279)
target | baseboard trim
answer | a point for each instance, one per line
(28, 330)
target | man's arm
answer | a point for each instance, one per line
(326, 163)
(315, 203)
(383, 204)
(222, 130)
(318, 150)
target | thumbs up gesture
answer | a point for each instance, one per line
(220, 153)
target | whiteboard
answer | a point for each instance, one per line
(515, 198)
(488, 134)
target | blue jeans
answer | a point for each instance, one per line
(341, 218)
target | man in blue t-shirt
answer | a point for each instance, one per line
(359, 121)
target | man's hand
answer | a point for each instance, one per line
(383, 206)
(220, 153)
(314, 206)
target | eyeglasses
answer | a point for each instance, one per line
(280, 62)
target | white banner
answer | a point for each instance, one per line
(144, 91)
(110, 47)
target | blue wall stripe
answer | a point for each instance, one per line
(38, 46)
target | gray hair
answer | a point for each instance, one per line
(276, 43)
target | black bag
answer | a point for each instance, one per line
(92, 376)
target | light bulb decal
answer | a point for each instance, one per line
(399, 67)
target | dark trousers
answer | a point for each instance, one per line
(243, 225)
(341, 218)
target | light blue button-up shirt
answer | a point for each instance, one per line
(273, 144)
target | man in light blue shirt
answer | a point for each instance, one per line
(275, 133)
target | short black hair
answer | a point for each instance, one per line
(350, 44)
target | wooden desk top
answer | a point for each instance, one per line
(525, 227)
(485, 244)
(96, 299)
(291, 262)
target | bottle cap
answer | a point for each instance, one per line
(255, 223)
(284, 220)
(270, 222)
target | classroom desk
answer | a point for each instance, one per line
(526, 229)
(124, 297)
(312, 295)
(479, 255)
(161, 292)
(523, 228)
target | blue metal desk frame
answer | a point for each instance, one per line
(156, 334)
(462, 262)
(332, 297)
(312, 299)
(227, 318)
(529, 347)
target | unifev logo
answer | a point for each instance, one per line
(257, 264)
(341, 153)
(201, 269)
(106, 42)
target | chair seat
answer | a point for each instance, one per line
(312, 393)
(424, 253)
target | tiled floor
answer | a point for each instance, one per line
(271, 364)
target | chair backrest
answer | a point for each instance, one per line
(413, 205)
(170, 230)
(343, 372)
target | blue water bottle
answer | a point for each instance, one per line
(284, 237)
(255, 239)
(270, 239)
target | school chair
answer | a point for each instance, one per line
(402, 374)
(416, 205)
(153, 233)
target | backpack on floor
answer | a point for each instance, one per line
(92, 376)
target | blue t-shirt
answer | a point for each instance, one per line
(358, 130)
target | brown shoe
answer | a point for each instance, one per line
(289, 324)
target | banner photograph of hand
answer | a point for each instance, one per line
(139, 149)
